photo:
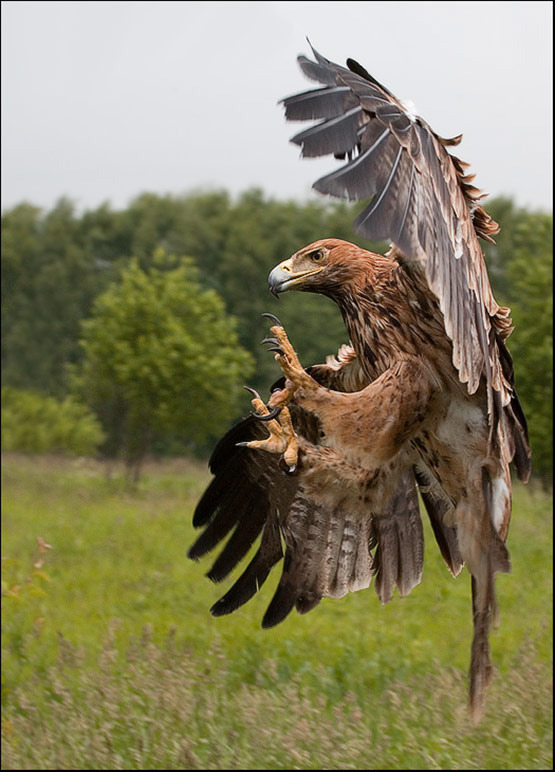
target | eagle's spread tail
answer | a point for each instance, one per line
(327, 554)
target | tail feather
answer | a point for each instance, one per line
(301, 562)
(399, 556)
(331, 555)
(364, 563)
(346, 560)
(327, 555)
(437, 507)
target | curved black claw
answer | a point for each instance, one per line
(273, 319)
(275, 345)
(271, 415)
(254, 393)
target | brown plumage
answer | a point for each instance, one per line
(423, 398)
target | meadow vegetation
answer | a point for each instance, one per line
(112, 661)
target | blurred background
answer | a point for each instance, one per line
(148, 187)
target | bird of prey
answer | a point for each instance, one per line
(326, 474)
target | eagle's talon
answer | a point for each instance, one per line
(286, 355)
(288, 360)
(275, 345)
(281, 439)
(273, 319)
(269, 416)
(254, 392)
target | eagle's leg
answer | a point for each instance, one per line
(295, 374)
(480, 663)
(282, 439)
(485, 555)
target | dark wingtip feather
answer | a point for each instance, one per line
(245, 534)
(280, 606)
(362, 72)
(445, 535)
(253, 577)
(225, 449)
(306, 603)
(205, 507)
(242, 591)
(221, 608)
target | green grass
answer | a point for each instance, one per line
(110, 659)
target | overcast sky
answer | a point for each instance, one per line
(104, 100)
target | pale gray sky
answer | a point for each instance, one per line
(104, 100)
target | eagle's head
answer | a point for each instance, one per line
(328, 267)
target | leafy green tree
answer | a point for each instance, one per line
(51, 280)
(20, 261)
(530, 293)
(160, 357)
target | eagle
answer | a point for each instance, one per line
(326, 475)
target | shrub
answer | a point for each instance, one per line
(32, 423)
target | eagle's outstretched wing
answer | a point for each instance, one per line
(422, 201)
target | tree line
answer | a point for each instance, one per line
(60, 266)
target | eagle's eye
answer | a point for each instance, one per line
(317, 255)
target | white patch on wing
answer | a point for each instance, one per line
(501, 501)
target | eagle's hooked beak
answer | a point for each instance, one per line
(283, 278)
(278, 278)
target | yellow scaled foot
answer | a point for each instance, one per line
(281, 440)
(287, 358)
(295, 374)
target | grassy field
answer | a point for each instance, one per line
(110, 659)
